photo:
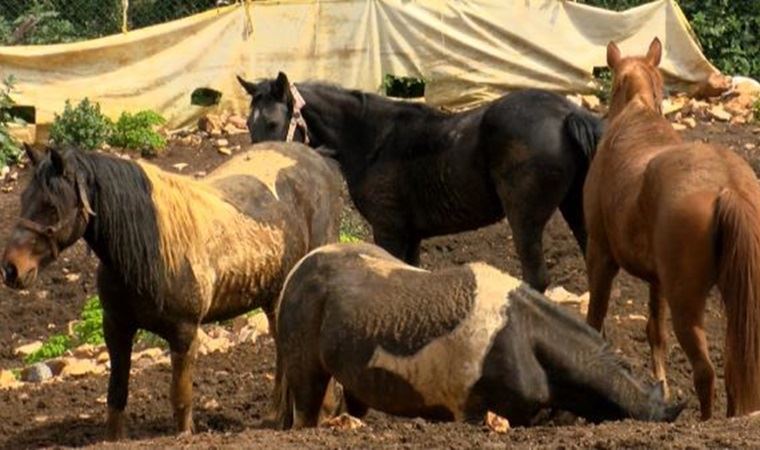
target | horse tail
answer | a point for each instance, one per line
(738, 227)
(585, 131)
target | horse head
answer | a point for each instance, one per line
(55, 212)
(659, 409)
(636, 77)
(274, 110)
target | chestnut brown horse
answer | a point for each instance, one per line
(682, 217)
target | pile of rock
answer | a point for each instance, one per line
(87, 360)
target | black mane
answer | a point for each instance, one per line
(124, 232)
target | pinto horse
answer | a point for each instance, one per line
(445, 345)
(682, 217)
(174, 252)
(415, 172)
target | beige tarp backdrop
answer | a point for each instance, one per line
(468, 51)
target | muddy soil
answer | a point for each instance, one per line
(232, 389)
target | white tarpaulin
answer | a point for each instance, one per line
(467, 51)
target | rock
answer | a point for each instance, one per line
(745, 85)
(259, 322)
(85, 351)
(207, 344)
(210, 404)
(36, 373)
(200, 174)
(56, 365)
(180, 166)
(717, 112)
(151, 353)
(637, 317)
(232, 129)
(13, 176)
(750, 146)
(4, 171)
(81, 367)
(27, 349)
(222, 143)
(42, 295)
(496, 423)
(673, 104)
(715, 85)
(343, 422)
(8, 380)
(238, 122)
(211, 124)
(73, 277)
(575, 99)
(224, 151)
(738, 120)
(689, 122)
(590, 101)
(102, 358)
(679, 127)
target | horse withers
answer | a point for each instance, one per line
(682, 217)
(174, 252)
(415, 172)
(445, 345)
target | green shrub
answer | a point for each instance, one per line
(9, 149)
(53, 347)
(138, 132)
(89, 329)
(83, 126)
(403, 87)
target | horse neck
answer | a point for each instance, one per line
(123, 233)
(639, 128)
(358, 125)
(585, 376)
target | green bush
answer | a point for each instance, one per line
(54, 347)
(726, 29)
(138, 132)
(403, 87)
(89, 329)
(83, 126)
(9, 149)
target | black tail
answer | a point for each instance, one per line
(585, 131)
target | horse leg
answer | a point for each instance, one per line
(398, 245)
(602, 270)
(413, 252)
(354, 406)
(688, 323)
(184, 349)
(308, 387)
(118, 337)
(657, 336)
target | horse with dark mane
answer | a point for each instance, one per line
(174, 252)
(415, 172)
(682, 217)
(445, 345)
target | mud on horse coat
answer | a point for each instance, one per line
(683, 217)
(447, 345)
(415, 172)
(174, 252)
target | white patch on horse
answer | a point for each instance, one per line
(384, 267)
(445, 370)
(263, 164)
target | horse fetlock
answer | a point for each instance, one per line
(115, 425)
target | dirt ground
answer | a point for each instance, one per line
(232, 389)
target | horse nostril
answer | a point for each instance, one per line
(10, 273)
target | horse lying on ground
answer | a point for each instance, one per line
(174, 252)
(682, 217)
(445, 345)
(415, 172)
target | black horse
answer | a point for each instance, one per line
(415, 172)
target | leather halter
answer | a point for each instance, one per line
(296, 119)
(50, 232)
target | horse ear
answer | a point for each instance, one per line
(35, 156)
(613, 55)
(249, 87)
(655, 52)
(56, 159)
(281, 88)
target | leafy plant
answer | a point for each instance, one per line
(9, 149)
(138, 132)
(404, 87)
(756, 109)
(89, 329)
(41, 23)
(53, 347)
(83, 126)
